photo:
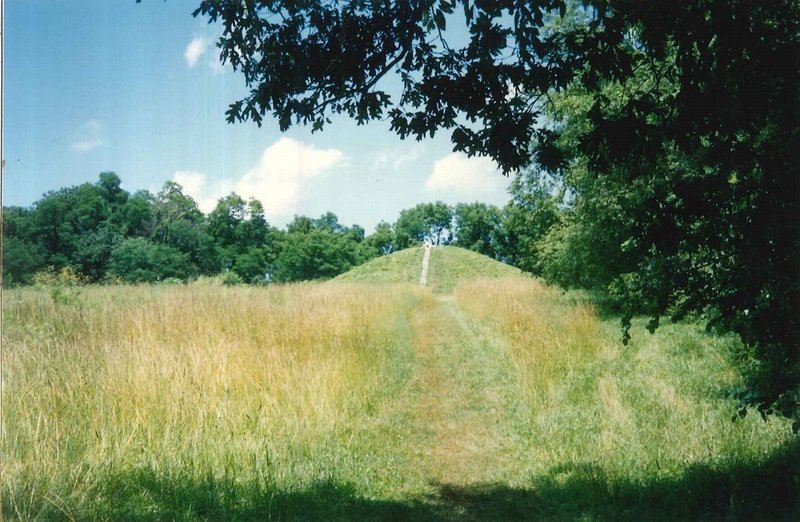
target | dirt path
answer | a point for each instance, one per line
(463, 399)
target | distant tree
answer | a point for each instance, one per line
(18, 222)
(439, 219)
(300, 224)
(179, 223)
(327, 221)
(110, 189)
(137, 260)
(534, 208)
(226, 219)
(382, 241)
(136, 216)
(431, 221)
(318, 249)
(410, 228)
(93, 251)
(255, 230)
(252, 265)
(69, 225)
(478, 227)
(318, 254)
(21, 259)
(172, 207)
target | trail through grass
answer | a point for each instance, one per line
(501, 401)
(464, 398)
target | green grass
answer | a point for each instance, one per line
(451, 265)
(340, 401)
(403, 266)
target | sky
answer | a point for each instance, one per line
(138, 89)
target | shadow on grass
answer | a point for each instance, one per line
(767, 490)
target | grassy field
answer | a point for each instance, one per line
(501, 401)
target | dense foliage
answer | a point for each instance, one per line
(101, 233)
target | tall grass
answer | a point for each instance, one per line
(364, 402)
(642, 413)
(197, 384)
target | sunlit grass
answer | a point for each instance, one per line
(451, 265)
(402, 266)
(647, 411)
(371, 402)
(267, 386)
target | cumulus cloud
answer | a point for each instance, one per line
(88, 137)
(464, 177)
(279, 180)
(196, 185)
(195, 50)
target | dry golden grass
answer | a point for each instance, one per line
(645, 410)
(198, 380)
(547, 338)
(365, 402)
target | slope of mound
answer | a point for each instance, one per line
(450, 265)
(403, 266)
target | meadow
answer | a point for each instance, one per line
(354, 400)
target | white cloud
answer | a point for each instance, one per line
(87, 145)
(279, 180)
(395, 159)
(88, 137)
(196, 185)
(195, 50)
(462, 177)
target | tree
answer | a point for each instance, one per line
(21, 259)
(69, 223)
(306, 61)
(431, 221)
(382, 241)
(226, 219)
(682, 168)
(318, 249)
(137, 260)
(316, 254)
(93, 251)
(135, 216)
(534, 208)
(676, 120)
(478, 228)
(109, 185)
(179, 223)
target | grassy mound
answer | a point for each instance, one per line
(403, 266)
(451, 265)
(448, 266)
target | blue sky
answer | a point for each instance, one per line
(111, 85)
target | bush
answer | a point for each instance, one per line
(231, 279)
(52, 277)
(137, 260)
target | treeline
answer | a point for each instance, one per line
(101, 233)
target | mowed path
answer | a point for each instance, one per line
(461, 400)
